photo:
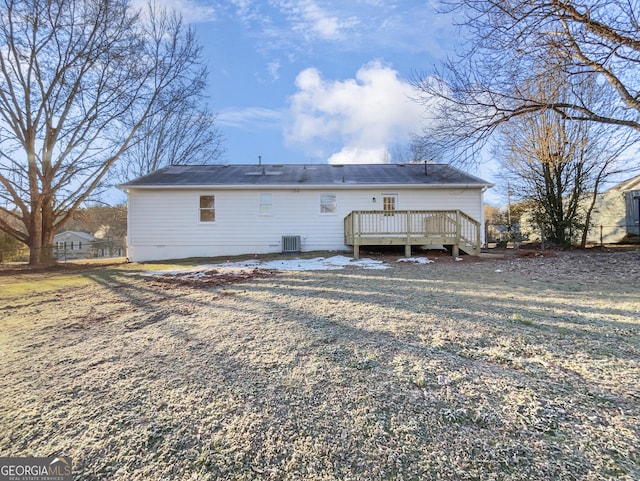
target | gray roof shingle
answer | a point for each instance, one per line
(244, 175)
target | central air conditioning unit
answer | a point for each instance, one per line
(291, 244)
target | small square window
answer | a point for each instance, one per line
(328, 204)
(207, 208)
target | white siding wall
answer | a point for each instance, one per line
(165, 224)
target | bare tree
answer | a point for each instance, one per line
(411, 153)
(559, 163)
(515, 43)
(178, 133)
(183, 134)
(78, 79)
(96, 218)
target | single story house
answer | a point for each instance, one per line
(186, 211)
(616, 214)
(72, 244)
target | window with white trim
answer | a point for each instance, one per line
(328, 203)
(207, 208)
(266, 204)
(389, 204)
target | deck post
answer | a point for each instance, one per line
(456, 248)
(407, 246)
(478, 246)
(356, 237)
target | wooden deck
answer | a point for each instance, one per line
(451, 228)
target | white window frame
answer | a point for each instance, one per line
(202, 209)
(265, 208)
(324, 204)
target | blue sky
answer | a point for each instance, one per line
(315, 81)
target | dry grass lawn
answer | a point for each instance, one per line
(501, 369)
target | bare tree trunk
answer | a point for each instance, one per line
(77, 80)
(41, 233)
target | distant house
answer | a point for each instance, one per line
(502, 233)
(107, 244)
(615, 215)
(73, 244)
(222, 210)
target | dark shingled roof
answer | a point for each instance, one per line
(305, 175)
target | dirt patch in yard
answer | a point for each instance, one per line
(492, 369)
(210, 277)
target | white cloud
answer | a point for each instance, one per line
(248, 118)
(359, 155)
(372, 25)
(245, 10)
(192, 11)
(274, 69)
(308, 17)
(363, 115)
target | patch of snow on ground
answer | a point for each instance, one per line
(416, 260)
(317, 264)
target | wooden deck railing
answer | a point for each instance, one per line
(412, 227)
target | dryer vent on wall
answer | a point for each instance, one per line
(291, 243)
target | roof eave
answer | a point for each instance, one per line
(336, 186)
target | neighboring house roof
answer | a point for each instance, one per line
(311, 175)
(71, 233)
(630, 184)
(504, 228)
